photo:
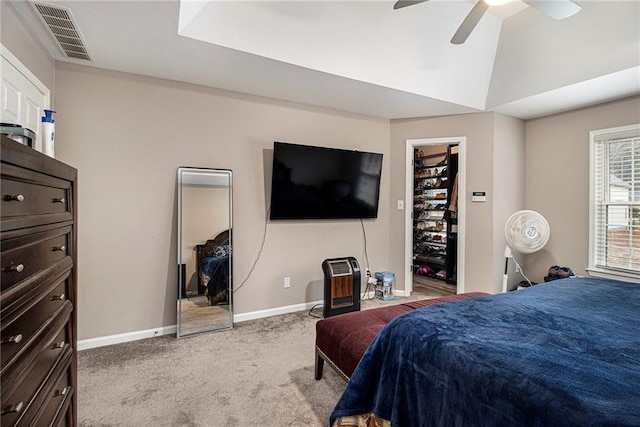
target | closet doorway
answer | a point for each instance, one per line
(431, 230)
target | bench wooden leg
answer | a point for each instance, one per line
(319, 365)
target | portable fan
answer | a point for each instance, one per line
(526, 232)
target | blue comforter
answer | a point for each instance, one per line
(562, 353)
(214, 273)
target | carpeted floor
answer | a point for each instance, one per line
(259, 373)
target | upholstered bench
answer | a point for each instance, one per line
(342, 340)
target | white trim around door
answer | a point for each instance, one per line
(461, 141)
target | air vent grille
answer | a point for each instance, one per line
(60, 24)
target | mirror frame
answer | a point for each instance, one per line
(182, 171)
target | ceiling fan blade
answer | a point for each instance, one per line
(470, 22)
(556, 9)
(404, 3)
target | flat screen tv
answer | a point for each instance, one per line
(324, 183)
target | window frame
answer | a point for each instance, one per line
(594, 137)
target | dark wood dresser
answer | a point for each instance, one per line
(38, 299)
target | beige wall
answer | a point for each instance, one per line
(508, 189)
(30, 52)
(128, 134)
(557, 179)
(480, 132)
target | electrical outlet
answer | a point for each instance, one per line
(287, 282)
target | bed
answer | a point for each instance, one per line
(565, 352)
(213, 261)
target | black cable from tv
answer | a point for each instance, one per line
(368, 270)
(264, 237)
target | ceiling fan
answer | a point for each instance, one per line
(556, 9)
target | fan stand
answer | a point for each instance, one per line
(505, 277)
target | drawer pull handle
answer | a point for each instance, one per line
(15, 339)
(14, 198)
(56, 346)
(62, 392)
(60, 297)
(13, 267)
(60, 200)
(60, 248)
(13, 408)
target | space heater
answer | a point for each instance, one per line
(341, 286)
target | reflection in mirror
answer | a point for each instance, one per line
(205, 285)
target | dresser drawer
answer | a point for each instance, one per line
(56, 402)
(55, 330)
(19, 329)
(23, 198)
(47, 377)
(27, 255)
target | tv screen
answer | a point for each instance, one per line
(324, 183)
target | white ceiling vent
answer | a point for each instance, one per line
(64, 30)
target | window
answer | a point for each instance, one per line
(614, 236)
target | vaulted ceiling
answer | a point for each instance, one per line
(365, 57)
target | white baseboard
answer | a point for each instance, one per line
(170, 330)
(126, 337)
(275, 311)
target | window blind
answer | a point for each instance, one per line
(616, 199)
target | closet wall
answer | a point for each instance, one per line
(487, 134)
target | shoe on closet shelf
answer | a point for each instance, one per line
(424, 270)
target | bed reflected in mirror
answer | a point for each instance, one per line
(205, 279)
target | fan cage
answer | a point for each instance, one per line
(527, 231)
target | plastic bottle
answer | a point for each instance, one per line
(48, 133)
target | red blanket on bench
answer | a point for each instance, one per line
(342, 340)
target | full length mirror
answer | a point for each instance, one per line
(205, 285)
